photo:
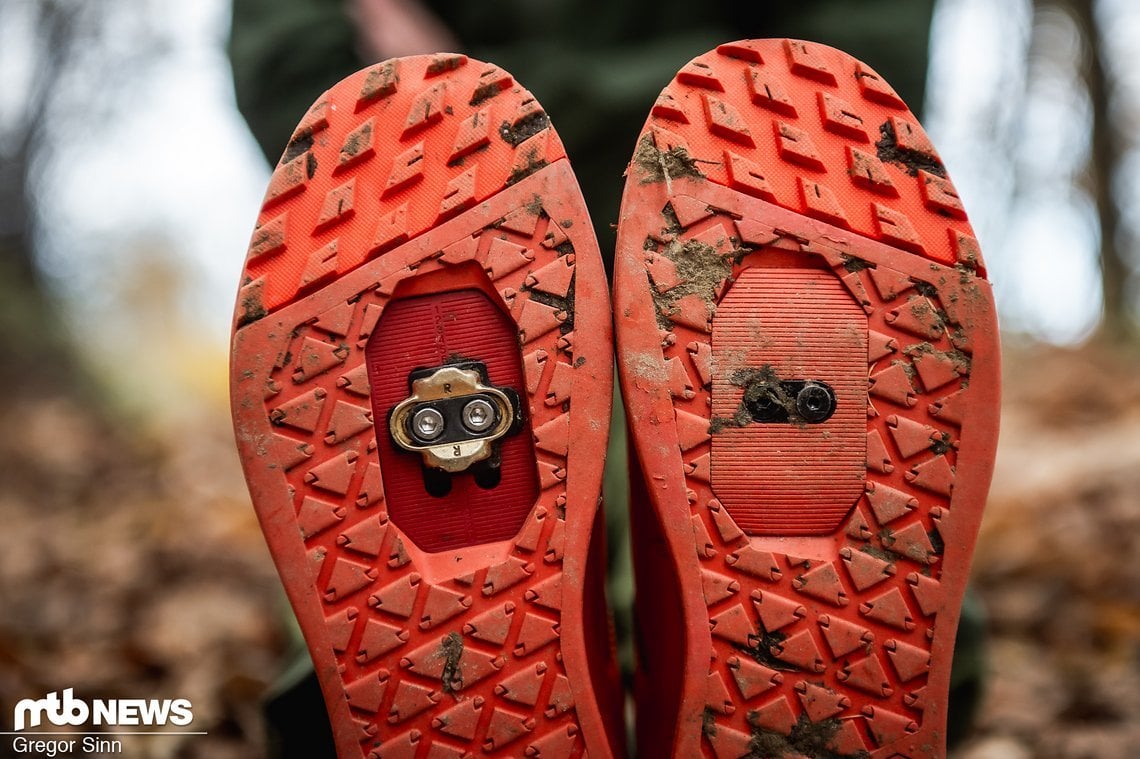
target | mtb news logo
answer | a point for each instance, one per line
(35, 721)
(66, 710)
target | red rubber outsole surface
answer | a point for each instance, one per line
(425, 208)
(786, 216)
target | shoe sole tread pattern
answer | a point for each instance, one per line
(413, 166)
(836, 639)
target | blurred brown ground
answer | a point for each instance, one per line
(132, 565)
(1058, 561)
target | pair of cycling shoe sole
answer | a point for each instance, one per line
(806, 342)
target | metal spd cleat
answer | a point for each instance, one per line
(454, 416)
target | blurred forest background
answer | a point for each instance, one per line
(130, 561)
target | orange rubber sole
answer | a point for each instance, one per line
(424, 215)
(808, 351)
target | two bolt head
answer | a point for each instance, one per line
(428, 423)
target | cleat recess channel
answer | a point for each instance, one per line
(442, 344)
